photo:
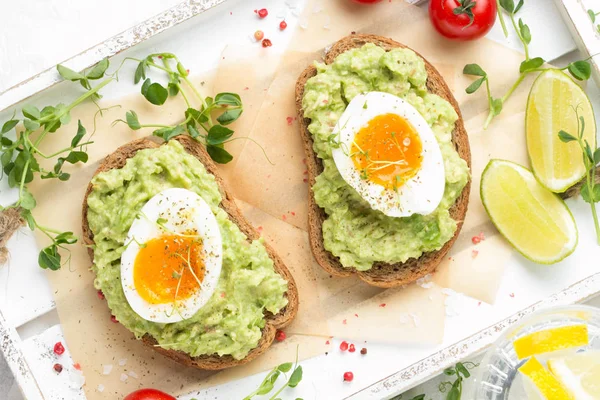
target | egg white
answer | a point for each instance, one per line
(420, 194)
(196, 216)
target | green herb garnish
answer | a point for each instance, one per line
(20, 156)
(593, 16)
(268, 383)
(228, 106)
(580, 70)
(590, 191)
(453, 389)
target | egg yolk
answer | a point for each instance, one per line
(169, 268)
(387, 151)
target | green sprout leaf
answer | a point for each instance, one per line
(566, 137)
(49, 258)
(68, 74)
(286, 367)
(132, 120)
(140, 72)
(31, 112)
(592, 15)
(193, 131)
(65, 238)
(496, 106)
(597, 156)
(156, 94)
(521, 2)
(588, 152)
(474, 69)
(169, 133)
(228, 99)
(581, 70)
(229, 116)
(508, 5)
(531, 64)
(31, 125)
(296, 377)
(145, 86)
(77, 156)
(219, 154)
(9, 125)
(79, 135)
(463, 370)
(27, 200)
(475, 85)
(218, 134)
(99, 69)
(525, 32)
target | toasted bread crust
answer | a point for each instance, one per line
(272, 322)
(382, 274)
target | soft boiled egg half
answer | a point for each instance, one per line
(387, 152)
(172, 261)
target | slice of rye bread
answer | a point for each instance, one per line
(382, 274)
(272, 322)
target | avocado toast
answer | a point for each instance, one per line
(382, 274)
(271, 321)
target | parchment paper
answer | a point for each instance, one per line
(274, 200)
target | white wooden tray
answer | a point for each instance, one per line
(388, 370)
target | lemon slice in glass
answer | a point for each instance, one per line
(546, 383)
(551, 107)
(534, 220)
(579, 373)
(553, 339)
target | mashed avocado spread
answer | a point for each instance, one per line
(231, 321)
(352, 231)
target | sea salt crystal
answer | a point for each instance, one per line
(415, 319)
(106, 369)
(123, 377)
(122, 362)
(100, 388)
(133, 374)
(425, 282)
(403, 318)
(77, 379)
(317, 9)
(450, 302)
(303, 23)
(327, 24)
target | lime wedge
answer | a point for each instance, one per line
(551, 106)
(534, 220)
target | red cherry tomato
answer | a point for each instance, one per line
(462, 19)
(148, 394)
(367, 1)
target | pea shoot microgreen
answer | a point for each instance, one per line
(453, 390)
(21, 155)
(590, 191)
(580, 70)
(228, 106)
(268, 384)
(593, 16)
(461, 372)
